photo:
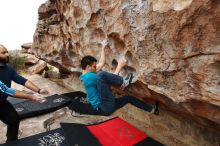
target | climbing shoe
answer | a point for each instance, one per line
(127, 80)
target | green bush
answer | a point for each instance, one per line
(17, 62)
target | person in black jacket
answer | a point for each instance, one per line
(7, 113)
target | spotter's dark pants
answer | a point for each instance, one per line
(9, 116)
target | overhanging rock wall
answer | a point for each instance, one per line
(172, 47)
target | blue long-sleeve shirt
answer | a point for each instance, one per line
(5, 90)
(8, 74)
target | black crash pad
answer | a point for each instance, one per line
(80, 103)
(79, 135)
(51, 138)
(68, 135)
(30, 108)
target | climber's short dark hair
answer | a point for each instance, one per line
(87, 60)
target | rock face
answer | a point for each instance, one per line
(172, 47)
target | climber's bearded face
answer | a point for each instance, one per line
(4, 56)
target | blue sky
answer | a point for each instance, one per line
(18, 19)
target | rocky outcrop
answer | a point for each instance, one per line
(24, 61)
(25, 48)
(172, 47)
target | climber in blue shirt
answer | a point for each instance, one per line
(98, 83)
(8, 114)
